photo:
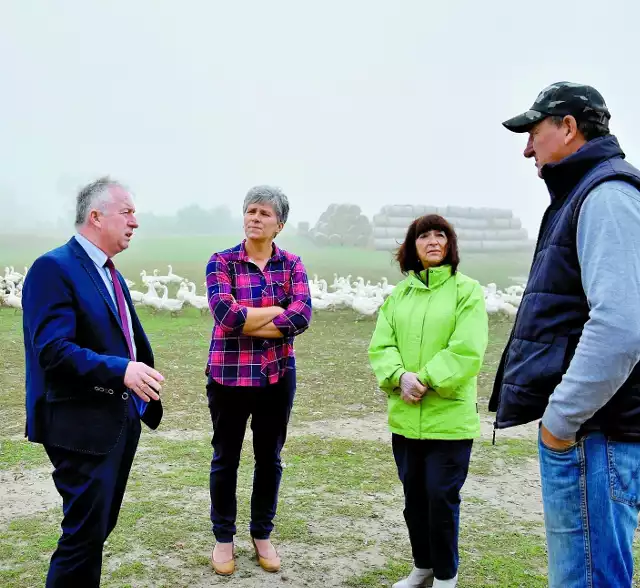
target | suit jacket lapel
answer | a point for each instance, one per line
(90, 268)
(99, 283)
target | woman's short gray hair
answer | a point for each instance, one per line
(268, 195)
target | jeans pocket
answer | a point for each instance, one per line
(556, 451)
(624, 472)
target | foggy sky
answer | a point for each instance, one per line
(361, 101)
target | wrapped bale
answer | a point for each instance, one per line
(390, 232)
(478, 229)
(469, 234)
(469, 223)
(380, 220)
(343, 224)
(400, 221)
(515, 223)
(335, 239)
(493, 213)
(500, 223)
(505, 245)
(505, 235)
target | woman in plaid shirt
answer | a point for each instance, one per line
(259, 298)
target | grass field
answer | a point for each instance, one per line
(340, 515)
(189, 257)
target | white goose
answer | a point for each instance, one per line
(183, 292)
(171, 304)
(11, 299)
(146, 280)
(162, 279)
(199, 302)
(367, 305)
(151, 298)
(173, 278)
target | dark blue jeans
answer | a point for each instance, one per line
(591, 498)
(432, 473)
(230, 408)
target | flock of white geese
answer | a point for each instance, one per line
(364, 298)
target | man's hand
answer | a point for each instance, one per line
(411, 390)
(552, 442)
(143, 380)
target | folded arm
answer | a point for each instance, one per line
(295, 319)
(233, 318)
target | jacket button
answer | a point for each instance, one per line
(125, 395)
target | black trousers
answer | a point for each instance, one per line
(230, 408)
(432, 473)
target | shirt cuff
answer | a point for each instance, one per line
(423, 376)
(395, 379)
(283, 323)
(558, 425)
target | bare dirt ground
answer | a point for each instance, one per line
(25, 493)
(513, 489)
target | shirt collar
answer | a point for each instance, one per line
(94, 252)
(431, 278)
(276, 254)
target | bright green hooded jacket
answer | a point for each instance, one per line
(436, 325)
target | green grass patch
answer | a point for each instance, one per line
(334, 377)
(488, 459)
(21, 454)
(492, 553)
(189, 255)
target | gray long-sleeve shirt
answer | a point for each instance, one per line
(608, 243)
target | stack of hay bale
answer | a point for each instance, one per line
(342, 224)
(478, 229)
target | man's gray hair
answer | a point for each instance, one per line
(92, 196)
(268, 195)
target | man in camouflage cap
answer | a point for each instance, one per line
(561, 99)
(572, 358)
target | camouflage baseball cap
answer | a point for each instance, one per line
(561, 99)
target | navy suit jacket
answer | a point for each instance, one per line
(76, 355)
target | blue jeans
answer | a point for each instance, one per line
(591, 499)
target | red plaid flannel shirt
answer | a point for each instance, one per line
(235, 283)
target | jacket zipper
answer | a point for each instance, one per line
(543, 223)
(423, 320)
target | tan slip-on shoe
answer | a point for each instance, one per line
(268, 564)
(224, 568)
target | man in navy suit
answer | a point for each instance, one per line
(89, 377)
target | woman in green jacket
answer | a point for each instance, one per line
(426, 351)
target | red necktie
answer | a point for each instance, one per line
(122, 308)
(122, 311)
